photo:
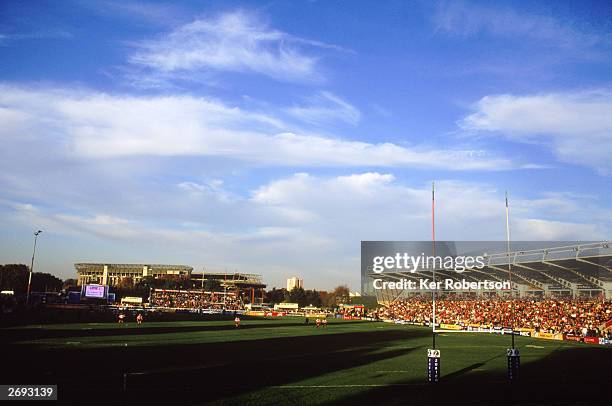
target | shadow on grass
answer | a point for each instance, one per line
(207, 372)
(578, 375)
(27, 334)
(463, 371)
(200, 372)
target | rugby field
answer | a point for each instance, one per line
(283, 361)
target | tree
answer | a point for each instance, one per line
(173, 282)
(313, 298)
(324, 297)
(370, 302)
(14, 277)
(126, 283)
(338, 296)
(147, 282)
(45, 282)
(276, 296)
(298, 295)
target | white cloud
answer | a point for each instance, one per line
(201, 188)
(538, 229)
(310, 225)
(577, 126)
(468, 19)
(12, 120)
(236, 42)
(255, 248)
(98, 125)
(324, 108)
(213, 188)
(371, 205)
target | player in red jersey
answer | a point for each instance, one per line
(237, 322)
(139, 318)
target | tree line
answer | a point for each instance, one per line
(15, 277)
(309, 297)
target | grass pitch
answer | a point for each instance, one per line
(283, 361)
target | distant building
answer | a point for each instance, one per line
(294, 282)
(112, 274)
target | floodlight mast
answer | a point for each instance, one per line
(32, 266)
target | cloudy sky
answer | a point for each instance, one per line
(272, 137)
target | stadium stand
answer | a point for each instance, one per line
(194, 299)
(584, 318)
(572, 271)
(113, 274)
(564, 290)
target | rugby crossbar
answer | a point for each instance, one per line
(468, 331)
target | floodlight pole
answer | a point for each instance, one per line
(32, 266)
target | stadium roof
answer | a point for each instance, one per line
(152, 266)
(580, 267)
(232, 279)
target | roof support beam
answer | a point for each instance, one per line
(589, 279)
(564, 282)
(594, 263)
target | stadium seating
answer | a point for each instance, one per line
(195, 299)
(576, 317)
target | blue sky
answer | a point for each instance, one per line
(272, 137)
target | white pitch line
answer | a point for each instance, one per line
(460, 331)
(372, 385)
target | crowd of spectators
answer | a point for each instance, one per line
(352, 311)
(566, 316)
(195, 299)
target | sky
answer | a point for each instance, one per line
(273, 137)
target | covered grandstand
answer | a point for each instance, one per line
(573, 271)
(249, 287)
(113, 274)
(195, 299)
